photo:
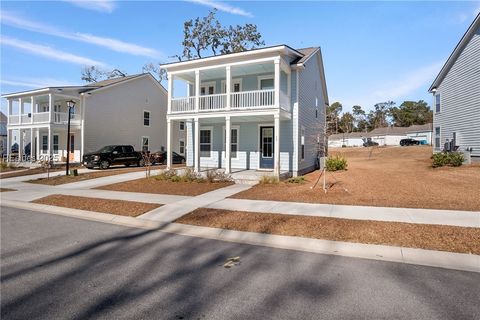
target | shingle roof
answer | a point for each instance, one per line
(348, 135)
(420, 127)
(307, 52)
(3, 117)
(108, 82)
(389, 131)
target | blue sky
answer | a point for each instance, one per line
(373, 51)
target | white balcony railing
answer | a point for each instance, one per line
(43, 117)
(253, 99)
(284, 101)
(213, 102)
(183, 104)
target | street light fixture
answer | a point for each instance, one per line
(71, 106)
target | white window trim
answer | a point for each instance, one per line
(435, 103)
(439, 147)
(302, 135)
(141, 142)
(180, 126)
(149, 118)
(259, 126)
(260, 78)
(233, 82)
(179, 146)
(236, 127)
(208, 84)
(41, 144)
(211, 143)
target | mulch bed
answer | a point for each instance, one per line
(7, 189)
(390, 177)
(152, 185)
(28, 172)
(432, 237)
(118, 207)
(59, 180)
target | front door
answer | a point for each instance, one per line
(266, 147)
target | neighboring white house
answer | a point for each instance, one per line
(456, 95)
(388, 136)
(262, 109)
(128, 110)
(352, 139)
(422, 133)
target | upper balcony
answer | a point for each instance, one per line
(42, 110)
(238, 87)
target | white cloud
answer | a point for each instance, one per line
(223, 7)
(16, 21)
(48, 52)
(36, 82)
(96, 5)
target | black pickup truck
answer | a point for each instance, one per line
(113, 155)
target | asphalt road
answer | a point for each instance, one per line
(55, 267)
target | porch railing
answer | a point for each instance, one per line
(284, 101)
(62, 117)
(213, 102)
(253, 99)
(43, 117)
(183, 104)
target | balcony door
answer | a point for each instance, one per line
(207, 88)
(266, 83)
(266, 147)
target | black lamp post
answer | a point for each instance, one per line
(70, 105)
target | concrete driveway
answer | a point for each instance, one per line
(54, 267)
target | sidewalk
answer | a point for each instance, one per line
(407, 215)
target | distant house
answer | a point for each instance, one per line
(456, 96)
(353, 139)
(3, 134)
(388, 136)
(422, 133)
(127, 110)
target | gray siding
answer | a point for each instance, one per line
(460, 99)
(310, 88)
(115, 115)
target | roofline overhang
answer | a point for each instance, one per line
(42, 91)
(455, 53)
(280, 48)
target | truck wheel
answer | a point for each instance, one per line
(104, 164)
(141, 163)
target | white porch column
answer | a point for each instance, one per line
(196, 152)
(170, 93)
(228, 85)
(276, 147)
(169, 144)
(50, 143)
(37, 156)
(51, 102)
(9, 109)
(20, 109)
(277, 83)
(197, 90)
(32, 110)
(20, 145)
(9, 143)
(228, 145)
(31, 144)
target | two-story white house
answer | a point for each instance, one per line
(262, 109)
(456, 96)
(127, 110)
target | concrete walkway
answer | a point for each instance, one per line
(173, 211)
(407, 215)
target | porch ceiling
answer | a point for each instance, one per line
(257, 118)
(237, 71)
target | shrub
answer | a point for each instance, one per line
(3, 165)
(268, 180)
(189, 175)
(166, 175)
(336, 163)
(454, 159)
(300, 179)
(217, 176)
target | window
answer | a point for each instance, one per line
(437, 138)
(182, 125)
(266, 84)
(181, 146)
(233, 142)
(55, 144)
(236, 85)
(146, 118)
(145, 144)
(128, 149)
(437, 102)
(205, 143)
(303, 144)
(44, 144)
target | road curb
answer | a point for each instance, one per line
(447, 260)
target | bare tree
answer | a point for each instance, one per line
(148, 160)
(94, 74)
(155, 69)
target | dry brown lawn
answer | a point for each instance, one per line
(59, 180)
(391, 177)
(152, 185)
(28, 172)
(119, 207)
(7, 189)
(432, 237)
